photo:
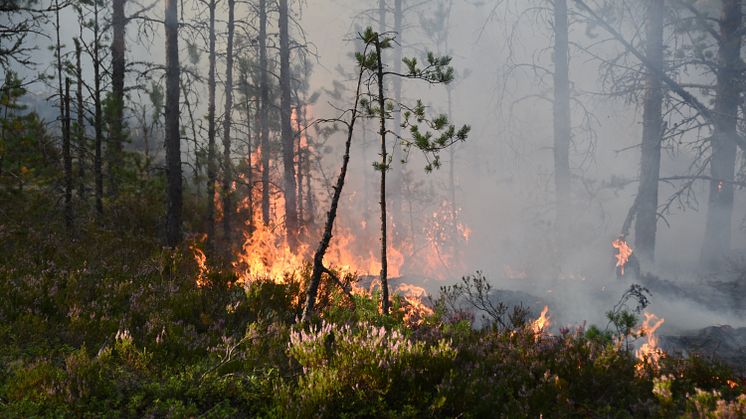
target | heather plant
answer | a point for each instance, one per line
(356, 368)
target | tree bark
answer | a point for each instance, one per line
(173, 140)
(80, 128)
(299, 153)
(562, 125)
(227, 164)
(211, 165)
(68, 160)
(383, 168)
(717, 240)
(318, 258)
(652, 133)
(288, 154)
(395, 189)
(97, 117)
(264, 110)
(116, 123)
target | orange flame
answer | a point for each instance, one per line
(649, 352)
(201, 259)
(542, 324)
(266, 254)
(624, 253)
(415, 310)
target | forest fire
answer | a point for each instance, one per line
(541, 325)
(266, 254)
(623, 255)
(649, 352)
(203, 270)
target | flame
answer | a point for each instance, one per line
(624, 253)
(201, 259)
(264, 252)
(415, 310)
(649, 352)
(542, 324)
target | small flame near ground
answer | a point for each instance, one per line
(541, 325)
(649, 352)
(624, 252)
(203, 270)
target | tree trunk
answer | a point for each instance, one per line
(288, 160)
(173, 141)
(97, 118)
(318, 257)
(397, 176)
(116, 124)
(68, 160)
(227, 164)
(562, 127)
(211, 165)
(80, 111)
(652, 133)
(244, 86)
(264, 110)
(64, 122)
(383, 168)
(717, 238)
(299, 153)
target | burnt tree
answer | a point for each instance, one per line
(288, 153)
(173, 140)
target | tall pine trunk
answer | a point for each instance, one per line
(562, 127)
(383, 167)
(116, 123)
(299, 153)
(68, 160)
(97, 115)
(398, 167)
(227, 164)
(173, 141)
(318, 268)
(264, 110)
(211, 164)
(652, 134)
(716, 245)
(80, 112)
(288, 154)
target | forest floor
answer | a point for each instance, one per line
(107, 322)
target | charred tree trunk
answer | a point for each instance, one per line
(116, 124)
(562, 127)
(264, 110)
(97, 116)
(227, 164)
(299, 153)
(652, 134)
(146, 141)
(288, 160)
(383, 167)
(249, 168)
(211, 165)
(80, 128)
(68, 160)
(717, 238)
(318, 258)
(173, 141)
(64, 94)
